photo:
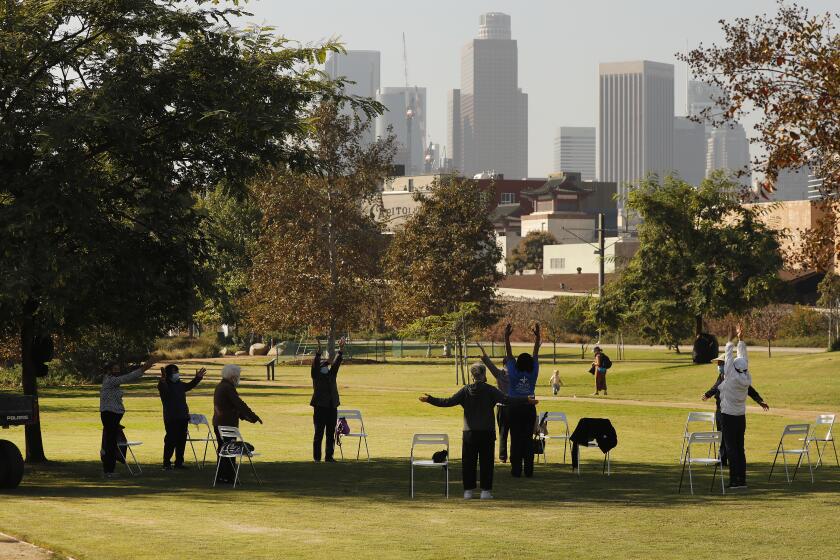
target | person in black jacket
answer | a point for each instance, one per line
(325, 401)
(715, 392)
(478, 401)
(176, 413)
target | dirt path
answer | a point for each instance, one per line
(13, 549)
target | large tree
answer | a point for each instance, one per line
(112, 116)
(445, 255)
(529, 254)
(321, 238)
(701, 253)
(786, 69)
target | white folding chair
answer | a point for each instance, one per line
(207, 438)
(350, 415)
(801, 430)
(556, 417)
(429, 439)
(128, 445)
(702, 418)
(605, 468)
(702, 438)
(234, 453)
(816, 439)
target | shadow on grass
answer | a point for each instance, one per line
(636, 484)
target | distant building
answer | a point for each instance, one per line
(728, 149)
(488, 115)
(568, 257)
(792, 184)
(574, 150)
(701, 96)
(635, 134)
(360, 67)
(689, 150)
(397, 101)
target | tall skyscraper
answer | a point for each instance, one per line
(701, 96)
(359, 67)
(689, 150)
(574, 150)
(454, 142)
(397, 101)
(728, 149)
(489, 114)
(635, 121)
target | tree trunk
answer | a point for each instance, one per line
(768, 348)
(34, 443)
(677, 348)
(554, 357)
(698, 325)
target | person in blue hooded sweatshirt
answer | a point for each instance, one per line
(522, 380)
(325, 401)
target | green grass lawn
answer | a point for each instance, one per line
(363, 509)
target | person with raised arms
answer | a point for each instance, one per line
(478, 400)
(522, 374)
(502, 414)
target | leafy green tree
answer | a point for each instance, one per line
(529, 254)
(701, 253)
(321, 243)
(113, 115)
(445, 254)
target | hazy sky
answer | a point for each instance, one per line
(560, 45)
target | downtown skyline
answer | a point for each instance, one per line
(562, 84)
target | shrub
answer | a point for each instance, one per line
(803, 322)
(184, 347)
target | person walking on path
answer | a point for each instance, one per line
(176, 413)
(555, 382)
(715, 392)
(478, 400)
(111, 411)
(502, 410)
(325, 401)
(600, 369)
(733, 396)
(522, 377)
(228, 410)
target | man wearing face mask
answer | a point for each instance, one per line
(176, 413)
(325, 401)
(715, 392)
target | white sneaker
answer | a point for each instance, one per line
(467, 494)
(486, 495)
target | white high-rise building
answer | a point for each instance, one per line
(728, 149)
(574, 150)
(689, 150)
(359, 67)
(488, 116)
(397, 101)
(635, 122)
(701, 96)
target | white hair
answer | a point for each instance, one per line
(231, 372)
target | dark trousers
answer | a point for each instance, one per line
(478, 446)
(733, 428)
(724, 459)
(324, 419)
(522, 419)
(227, 468)
(175, 441)
(503, 420)
(110, 433)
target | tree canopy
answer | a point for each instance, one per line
(321, 241)
(113, 116)
(445, 254)
(701, 253)
(529, 254)
(785, 67)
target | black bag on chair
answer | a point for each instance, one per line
(440, 456)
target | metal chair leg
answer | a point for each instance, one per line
(776, 456)
(682, 475)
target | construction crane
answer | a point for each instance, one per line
(409, 110)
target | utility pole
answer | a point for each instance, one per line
(600, 254)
